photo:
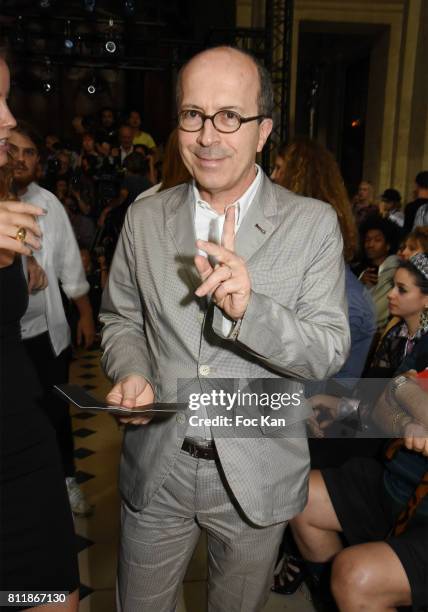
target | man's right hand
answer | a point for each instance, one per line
(131, 392)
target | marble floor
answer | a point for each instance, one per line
(97, 442)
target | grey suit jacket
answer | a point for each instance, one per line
(295, 326)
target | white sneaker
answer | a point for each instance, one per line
(78, 502)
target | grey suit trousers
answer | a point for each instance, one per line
(158, 541)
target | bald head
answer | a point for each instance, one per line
(222, 56)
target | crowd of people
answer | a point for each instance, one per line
(218, 272)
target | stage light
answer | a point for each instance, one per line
(18, 33)
(48, 84)
(355, 123)
(46, 4)
(92, 86)
(110, 45)
(69, 42)
(129, 7)
(89, 5)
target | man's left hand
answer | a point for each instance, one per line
(37, 279)
(228, 282)
(85, 331)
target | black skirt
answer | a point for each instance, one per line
(367, 513)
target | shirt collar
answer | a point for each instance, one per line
(403, 332)
(242, 204)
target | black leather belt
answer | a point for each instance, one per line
(207, 450)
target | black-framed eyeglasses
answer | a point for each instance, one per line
(225, 121)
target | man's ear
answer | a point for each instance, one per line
(264, 131)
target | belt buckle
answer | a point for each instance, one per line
(194, 452)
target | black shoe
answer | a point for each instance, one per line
(289, 579)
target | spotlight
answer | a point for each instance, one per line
(129, 7)
(46, 4)
(92, 86)
(18, 34)
(110, 45)
(69, 42)
(89, 5)
(48, 83)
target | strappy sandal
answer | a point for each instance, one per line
(289, 579)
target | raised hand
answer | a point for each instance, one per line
(19, 231)
(228, 283)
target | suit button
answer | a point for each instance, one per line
(180, 418)
(204, 370)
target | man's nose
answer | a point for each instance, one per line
(208, 134)
(19, 156)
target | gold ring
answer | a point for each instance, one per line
(21, 234)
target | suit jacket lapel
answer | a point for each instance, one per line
(257, 226)
(181, 226)
(259, 222)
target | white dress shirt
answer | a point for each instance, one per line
(209, 223)
(61, 261)
(209, 227)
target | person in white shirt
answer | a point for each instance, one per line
(44, 327)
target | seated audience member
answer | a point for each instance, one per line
(277, 174)
(107, 177)
(363, 204)
(44, 326)
(379, 239)
(370, 518)
(420, 206)
(152, 159)
(107, 130)
(307, 168)
(134, 181)
(390, 207)
(402, 348)
(83, 226)
(96, 270)
(139, 137)
(52, 147)
(89, 148)
(416, 242)
(83, 186)
(61, 190)
(125, 136)
(174, 172)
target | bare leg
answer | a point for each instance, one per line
(316, 528)
(70, 605)
(369, 578)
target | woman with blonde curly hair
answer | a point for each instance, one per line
(309, 169)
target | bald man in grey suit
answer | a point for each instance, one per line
(227, 277)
